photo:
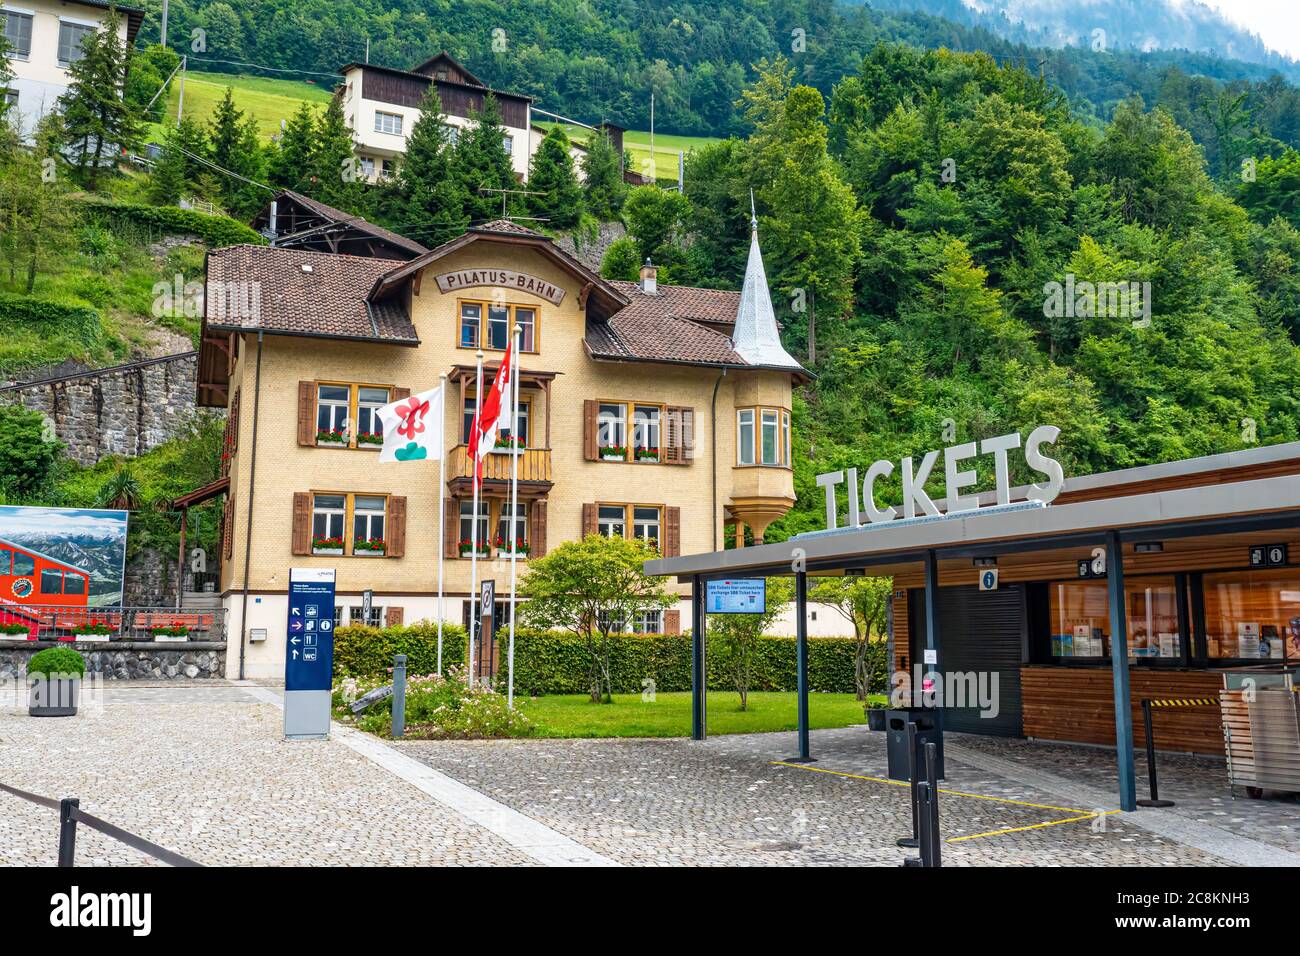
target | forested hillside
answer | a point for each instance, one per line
(601, 59)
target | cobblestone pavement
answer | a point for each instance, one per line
(662, 802)
(1197, 785)
(204, 771)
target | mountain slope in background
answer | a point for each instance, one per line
(1142, 25)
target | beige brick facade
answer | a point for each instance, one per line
(284, 467)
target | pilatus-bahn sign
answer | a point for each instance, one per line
(501, 278)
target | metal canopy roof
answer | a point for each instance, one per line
(1255, 504)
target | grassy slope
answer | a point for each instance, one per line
(669, 715)
(267, 100)
(270, 101)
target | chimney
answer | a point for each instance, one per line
(649, 279)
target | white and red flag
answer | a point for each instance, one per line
(413, 427)
(493, 414)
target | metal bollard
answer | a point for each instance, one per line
(932, 803)
(67, 830)
(399, 695)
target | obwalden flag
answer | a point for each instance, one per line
(413, 427)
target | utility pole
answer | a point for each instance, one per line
(180, 106)
(654, 170)
(162, 39)
(512, 192)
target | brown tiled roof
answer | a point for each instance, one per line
(355, 222)
(505, 225)
(666, 327)
(305, 293)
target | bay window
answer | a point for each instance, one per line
(745, 436)
(763, 437)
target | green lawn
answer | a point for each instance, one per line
(267, 100)
(669, 715)
(637, 142)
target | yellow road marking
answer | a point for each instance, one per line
(1083, 814)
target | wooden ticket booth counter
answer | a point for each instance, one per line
(1149, 582)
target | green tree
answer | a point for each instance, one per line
(593, 589)
(335, 176)
(736, 636)
(864, 603)
(551, 176)
(428, 196)
(603, 189)
(235, 148)
(29, 455)
(656, 222)
(622, 260)
(97, 119)
(150, 68)
(481, 162)
(36, 217)
(290, 158)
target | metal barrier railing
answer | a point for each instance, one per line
(70, 814)
(55, 622)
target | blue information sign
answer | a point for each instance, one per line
(736, 596)
(309, 649)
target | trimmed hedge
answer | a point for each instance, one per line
(216, 231)
(56, 660)
(361, 651)
(53, 317)
(557, 663)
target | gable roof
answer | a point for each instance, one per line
(427, 66)
(335, 221)
(299, 292)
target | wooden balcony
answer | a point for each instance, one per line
(534, 469)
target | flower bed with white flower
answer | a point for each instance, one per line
(437, 708)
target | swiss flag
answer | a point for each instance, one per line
(489, 419)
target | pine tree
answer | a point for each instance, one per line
(236, 149)
(430, 200)
(335, 176)
(291, 158)
(480, 162)
(167, 183)
(603, 189)
(551, 177)
(98, 122)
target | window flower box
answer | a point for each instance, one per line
(174, 633)
(613, 453)
(372, 548)
(503, 548)
(92, 631)
(335, 438)
(467, 546)
(326, 545)
(370, 439)
(647, 454)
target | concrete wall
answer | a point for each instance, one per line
(126, 660)
(124, 410)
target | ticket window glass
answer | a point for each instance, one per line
(1252, 615)
(1080, 620)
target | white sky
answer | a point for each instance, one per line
(1276, 21)
(26, 522)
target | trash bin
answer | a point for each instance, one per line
(927, 731)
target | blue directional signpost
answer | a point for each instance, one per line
(309, 654)
(736, 596)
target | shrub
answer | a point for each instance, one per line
(361, 651)
(437, 708)
(52, 316)
(216, 231)
(28, 458)
(15, 628)
(56, 660)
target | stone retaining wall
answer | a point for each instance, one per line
(127, 660)
(125, 410)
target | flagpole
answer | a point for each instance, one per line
(514, 518)
(473, 534)
(442, 508)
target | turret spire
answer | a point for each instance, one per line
(756, 336)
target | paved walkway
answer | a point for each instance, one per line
(202, 769)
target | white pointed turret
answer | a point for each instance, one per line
(756, 336)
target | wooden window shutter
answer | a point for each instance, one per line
(589, 525)
(228, 527)
(393, 616)
(688, 434)
(590, 429)
(306, 413)
(395, 546)
(301, 522)
(451, 528)
(679, 444)
(672, 532)
(537, 529)
(673, 622)
(397, 394)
